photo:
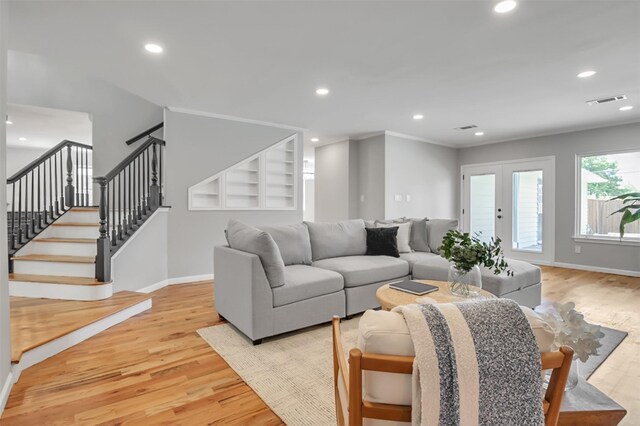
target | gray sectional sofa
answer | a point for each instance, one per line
(283, 278)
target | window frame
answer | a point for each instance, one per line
(577, 236)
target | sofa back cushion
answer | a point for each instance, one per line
(337, 239)
(293, 242)
(419, 235)
(403, 236)
(252, 240)
(437, 229)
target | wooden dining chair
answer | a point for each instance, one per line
(351, 409)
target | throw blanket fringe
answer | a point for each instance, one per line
(477, 363)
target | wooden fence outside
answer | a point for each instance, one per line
(600, 219)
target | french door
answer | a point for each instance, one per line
(512, 201)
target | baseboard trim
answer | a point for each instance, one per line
(6, 390)
(596, 269)
(175, 281)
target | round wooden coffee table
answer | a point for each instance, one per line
(390, 298)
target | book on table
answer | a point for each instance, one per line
(414, 287)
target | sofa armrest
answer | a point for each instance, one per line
(242, 293)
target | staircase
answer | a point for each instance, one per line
(60, 245)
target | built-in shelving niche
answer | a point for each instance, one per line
(265, 181)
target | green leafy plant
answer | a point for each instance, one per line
(630, 211)
(466, 252)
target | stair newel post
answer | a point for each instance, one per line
(69, 191)
(103, 257)
(154, 191)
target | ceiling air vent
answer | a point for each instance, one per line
(470, 126)
(606, 100)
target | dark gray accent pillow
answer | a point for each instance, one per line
(252, 240)
(337, 239)
(382, 241)
(293, 242)
(437, 229)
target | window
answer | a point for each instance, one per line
(601, 178)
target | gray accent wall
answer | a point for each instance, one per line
(565, 147)
(5, 336)
(427, 173)
(371, 177)
(332, 182)
(199, 147)
(116, 114)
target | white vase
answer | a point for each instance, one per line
(465, 284)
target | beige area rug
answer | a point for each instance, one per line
(292, 373)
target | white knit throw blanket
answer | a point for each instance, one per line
(477, 363)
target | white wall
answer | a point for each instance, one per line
(199, 147)
(426, 172)
(117, 115)
(5, 336)
(18, 157)
(332, 196)
(565, 147)
(143, 261)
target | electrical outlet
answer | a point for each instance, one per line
(578, 249)
(362, 198)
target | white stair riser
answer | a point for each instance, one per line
(60, 291)
(60, 249)
(85, 217)
(54, 268)
(72, 232)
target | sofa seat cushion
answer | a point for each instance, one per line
(416, 257)
(362, 270)
(304, 282)
(386, 333)
(524, 274)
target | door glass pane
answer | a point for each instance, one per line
(527, 210)
(482, 206)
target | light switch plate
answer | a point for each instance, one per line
(398, 197)
(408, 197)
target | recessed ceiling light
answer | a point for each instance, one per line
(418, 117)
(153, 48)
(22, 139)
(479, 133)
(626, 108)
(505, 6)
(322, 91)
(585, 74)
(315, 140)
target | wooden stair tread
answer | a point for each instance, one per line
(55, 279)
(35, 322)
(76, 224)
(84, 209)
(66, 240)
(55, 258)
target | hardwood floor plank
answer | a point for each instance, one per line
(155, 369)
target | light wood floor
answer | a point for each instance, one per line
(35, 322)
(155, 369)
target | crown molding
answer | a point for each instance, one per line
(234, 118)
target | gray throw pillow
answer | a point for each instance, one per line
(337, 239)
(293, 242)
(252, 240)
(437, 229)
(419, 235)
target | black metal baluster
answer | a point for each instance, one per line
(78, 181)
(86, 178)
(51, 211)
(33, 219)
(139, 198)
(161, 182)
(20, 231)
(40, 219)
(13, 216)
(120, 227)
(145, 186)
(55, 178)
(130, 197)
(114, 233)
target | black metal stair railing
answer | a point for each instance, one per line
(128, 195)
(46, 188)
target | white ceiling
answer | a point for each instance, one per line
(456, 62)
(46, 127)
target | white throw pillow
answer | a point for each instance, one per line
(404, 234)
